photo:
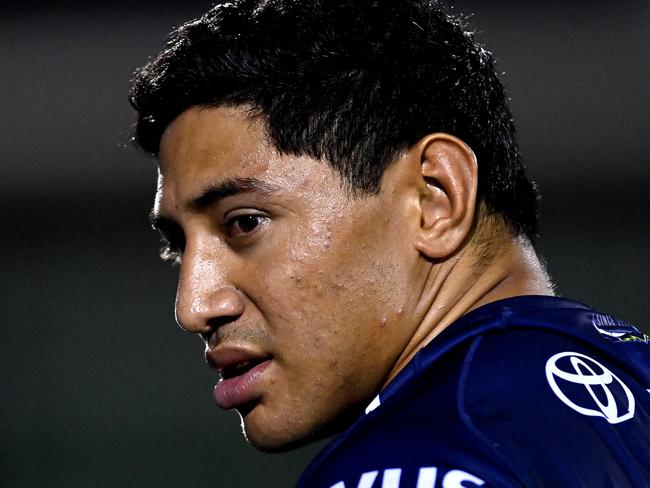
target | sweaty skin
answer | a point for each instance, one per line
(332, 293)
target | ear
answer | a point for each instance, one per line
(447, 185)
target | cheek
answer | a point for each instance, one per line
(340, 286)
(332, 310)
(334, 296)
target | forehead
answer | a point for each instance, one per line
(205, 146)
(204, 142)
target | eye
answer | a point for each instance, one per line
(244, 224)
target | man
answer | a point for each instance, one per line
(341, 188)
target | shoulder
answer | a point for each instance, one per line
(551, 358)
(501, 399)
(559, 400)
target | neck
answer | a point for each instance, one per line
(462, 284)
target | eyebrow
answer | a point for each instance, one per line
(216, 192)
(228, 188)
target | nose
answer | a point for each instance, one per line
(205, 299)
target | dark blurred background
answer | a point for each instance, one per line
(101, 388)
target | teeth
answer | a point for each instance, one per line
(236, 369)
(242, 365)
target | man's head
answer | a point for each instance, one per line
(317, 164)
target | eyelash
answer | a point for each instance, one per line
(171, 252)
(232, 222)
(172, 249)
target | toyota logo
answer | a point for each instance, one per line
(604, 388)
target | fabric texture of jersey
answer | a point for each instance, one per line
(524, 392)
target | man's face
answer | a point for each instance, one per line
(304, 294)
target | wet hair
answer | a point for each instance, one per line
(351, 82)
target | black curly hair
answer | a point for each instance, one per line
(352, 82)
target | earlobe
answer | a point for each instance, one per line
(448, 186)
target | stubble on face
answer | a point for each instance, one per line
(326, 282)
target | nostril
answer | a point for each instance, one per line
(210, 336)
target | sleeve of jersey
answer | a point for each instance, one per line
(556, 411)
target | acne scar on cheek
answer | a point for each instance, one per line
(398, 313)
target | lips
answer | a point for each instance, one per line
(237, 369)
(241, 371)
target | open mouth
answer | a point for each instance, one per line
(241, 382)
(239, 369)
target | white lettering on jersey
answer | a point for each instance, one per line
(367, 479)
(391, 478)
(426, 479)
(456, 478)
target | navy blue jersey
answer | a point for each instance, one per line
(528, 391)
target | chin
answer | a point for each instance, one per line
(277, 445)
(281, 435)
(276, 436)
